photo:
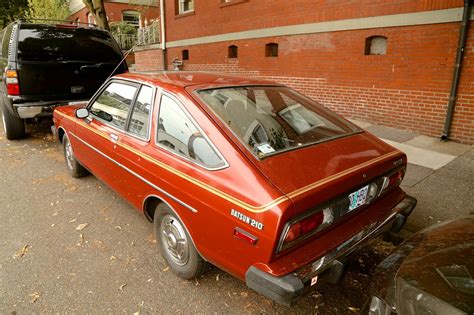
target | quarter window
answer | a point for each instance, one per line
(179, 134)
(141, 113)
(113, 105)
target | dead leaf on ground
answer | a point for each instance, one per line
(81, 226)
(73, 220)
(244, 294)
(122, 286)
(217, 277)
(151, 238)
(21, 252)
(353, 309)
(166, 269)
(34, 297)
(118, 227)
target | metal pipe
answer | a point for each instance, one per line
(163, 33)
(457, 69)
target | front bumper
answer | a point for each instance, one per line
(286, 288)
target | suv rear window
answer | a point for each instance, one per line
(49, 43)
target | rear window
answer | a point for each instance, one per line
(270, 120)
(48, 43)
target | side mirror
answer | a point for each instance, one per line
(82, 113)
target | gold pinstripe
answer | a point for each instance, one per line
(225, 196)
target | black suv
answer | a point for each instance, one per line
(43, 65)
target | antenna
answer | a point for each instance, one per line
(121, 61)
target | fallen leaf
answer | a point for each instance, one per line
(81, 226)
(244, 294)
(166, 269)
(21, 252)
(353, 309)
(113, 257)
(34, 297)
(73, 220)
(122, 286)
(217, 278)
(118, 227)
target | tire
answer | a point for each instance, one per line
(73, 166)
(14, 126)
(176, 246)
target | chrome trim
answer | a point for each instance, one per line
(181, 106)
(135, 174)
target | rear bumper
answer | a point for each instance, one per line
(39, 109)
(286, 288)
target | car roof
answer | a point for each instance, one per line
(192, 78)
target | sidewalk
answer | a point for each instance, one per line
(439, 174)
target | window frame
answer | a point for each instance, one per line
(178, 8)
(130, 13)
(125, 131)
(198, 127)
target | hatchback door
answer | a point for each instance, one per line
(64, 62)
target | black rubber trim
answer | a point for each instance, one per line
(282, 290)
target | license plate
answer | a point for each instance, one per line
(357, 198)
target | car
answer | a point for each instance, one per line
(430, 273)
(247, 175)
(42, 65)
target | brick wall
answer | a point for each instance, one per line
(114, 12)
(406, 88)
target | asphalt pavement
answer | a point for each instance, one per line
(73, 245)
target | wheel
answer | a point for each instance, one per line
(176, 245)
(73, 166)
(14, 127)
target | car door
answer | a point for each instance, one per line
(134, 147)
(97, 137)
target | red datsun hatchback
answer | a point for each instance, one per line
(248, 175)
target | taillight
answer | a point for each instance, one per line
(393, 179)
(307, 226)
(13, 88)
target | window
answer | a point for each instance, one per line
(131, 17)
(185, 6)
(113, 104)
(270, 119)
(185, 54)
(232, 51)
(376, 45)
(179, 134)
(141, 113)
(271, 50)
(90, 18)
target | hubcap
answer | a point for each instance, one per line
(174, 240)
(69, 154)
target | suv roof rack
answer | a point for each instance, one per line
(44, 21)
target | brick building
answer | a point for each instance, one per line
(137, 12)
(389, 62)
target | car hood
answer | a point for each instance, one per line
(318, 173)
(435, 269)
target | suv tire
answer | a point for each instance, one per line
(14, 126)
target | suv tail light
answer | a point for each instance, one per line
(308, 225)
(13, 87)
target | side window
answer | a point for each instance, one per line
(141, 113)
(179, 134)
(113, 104)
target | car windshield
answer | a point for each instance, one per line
(272, 119)
(47, 43)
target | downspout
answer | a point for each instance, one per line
(457, 69)
(163, 33)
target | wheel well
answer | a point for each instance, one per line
(149, 207)
(61, 133)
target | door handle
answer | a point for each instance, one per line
(114, 137)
